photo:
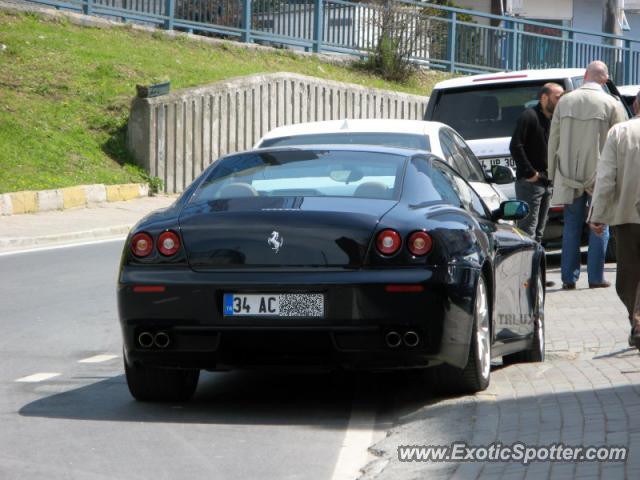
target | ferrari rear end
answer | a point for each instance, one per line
(366, 318)
(294, 257)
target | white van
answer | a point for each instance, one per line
(484, 110)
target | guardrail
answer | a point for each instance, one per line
(444, 38)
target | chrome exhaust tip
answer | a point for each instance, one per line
(411, 338)
(145, 340)
(393, 339)
(161, 340)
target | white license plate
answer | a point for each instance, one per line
(487, 163)
(274, 305)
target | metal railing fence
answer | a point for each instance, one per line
(443, 38)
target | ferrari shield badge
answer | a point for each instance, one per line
(276, 241)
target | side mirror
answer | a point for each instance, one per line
(501, 175)
(511, 210)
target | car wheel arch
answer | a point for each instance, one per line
(485, 272)
(449, 378)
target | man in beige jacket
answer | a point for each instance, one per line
(579, 129)
(615, 202)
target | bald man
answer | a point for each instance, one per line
(578, 132)
(528, 148)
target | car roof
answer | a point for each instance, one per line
(628, 90)
(509, 77)
(406, 152)
(419, 127)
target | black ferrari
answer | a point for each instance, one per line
(352, 257)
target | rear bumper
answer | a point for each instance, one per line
(359, 314)
(225, 349)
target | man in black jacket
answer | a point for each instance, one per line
(529, 150)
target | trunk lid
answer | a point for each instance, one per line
(280, 231)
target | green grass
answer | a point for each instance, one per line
(65, 92)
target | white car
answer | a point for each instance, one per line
(434, 137)
(628, 93)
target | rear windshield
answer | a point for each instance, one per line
(326, 173)
(487, 111)
(402, 140)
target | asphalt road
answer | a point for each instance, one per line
(58, 308)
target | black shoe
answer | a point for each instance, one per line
(568, 286)
(549, 283)
(604, 284)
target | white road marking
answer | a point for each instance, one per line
(37, 377)
(98, 359)
(354, 453)
(65, 245)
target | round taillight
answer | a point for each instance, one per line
(388, 242)
(420, 243)
(168, 243)
(141, 244)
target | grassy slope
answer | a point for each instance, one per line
(65, 92)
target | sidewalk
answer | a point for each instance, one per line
(112, 219)
(586, 393)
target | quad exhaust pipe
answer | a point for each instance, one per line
(145, 339)
(411, 338)
(395, 339)
(159, 340)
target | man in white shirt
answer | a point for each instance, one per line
(616, 202)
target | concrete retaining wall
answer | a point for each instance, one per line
(174, 137)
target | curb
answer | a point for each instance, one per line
(7, 244)
(16, 203)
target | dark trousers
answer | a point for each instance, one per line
(538, 196)
(628, 268)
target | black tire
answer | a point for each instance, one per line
(152, 384)
(536, 352)
(476, 375)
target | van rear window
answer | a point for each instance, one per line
(486, 111)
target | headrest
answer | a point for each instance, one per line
(489, 109)
(371, 190)
(234, 190)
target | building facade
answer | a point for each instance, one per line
(578, 14)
